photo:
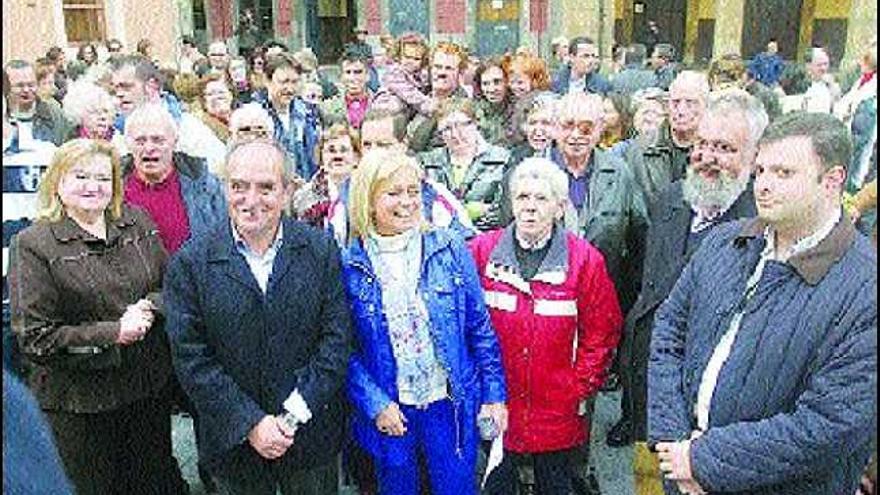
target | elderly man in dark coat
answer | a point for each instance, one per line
(763, 360)
(260, 333)
(716, 189)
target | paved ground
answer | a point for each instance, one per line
(612, 466)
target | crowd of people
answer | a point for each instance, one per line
(419, 276)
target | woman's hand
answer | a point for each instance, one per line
(498, 412)
(391, 421)
(137, 319)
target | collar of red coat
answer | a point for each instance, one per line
(504, 267)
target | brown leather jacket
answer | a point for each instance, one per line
(68, 291)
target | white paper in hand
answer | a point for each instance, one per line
(496, 454)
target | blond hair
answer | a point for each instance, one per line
(69, 154)
(376, 167)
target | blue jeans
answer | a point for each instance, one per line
(431, 433)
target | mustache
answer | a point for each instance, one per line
(718, 193)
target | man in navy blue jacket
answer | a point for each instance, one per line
(260, 331)
(764, 357)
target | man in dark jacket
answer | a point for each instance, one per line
(663, 63)
(763, 360)
(715, 190)
(261, 331)
(34, 118)
(179, 194)
(656, 165)
(582, 72)
(634, 75)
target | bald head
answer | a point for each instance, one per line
(249, 153)
(687, 101)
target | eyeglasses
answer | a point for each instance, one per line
(257, 130)
(217, 94)
(716, 147)
(689, 102)
(337, 149)
(456, 126)
(24, 85)
(585, 126)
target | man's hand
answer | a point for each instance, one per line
(269, 439)
(498, 412)
(675, 463)
(391, 421)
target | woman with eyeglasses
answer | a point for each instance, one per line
(467, 165)
(91, 110)
(319, 202)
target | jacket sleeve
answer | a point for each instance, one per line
(480, 334)
(829, 421)
(668, 411)
(396, 82)
(363, 391)
(214, 393)
(35, 300)
(324, 374)
(599, 325)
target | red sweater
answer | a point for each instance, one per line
(164, 203)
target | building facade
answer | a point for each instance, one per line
(699, 29)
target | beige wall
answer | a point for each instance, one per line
(30, 27)
(154, 19)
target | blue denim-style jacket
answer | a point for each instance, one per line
(300, 140)
(461, 330)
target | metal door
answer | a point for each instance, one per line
(766, 19)
(408, 15)
(497, 27)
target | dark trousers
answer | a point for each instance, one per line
(553, 473)
(246, 473)
(126, 451)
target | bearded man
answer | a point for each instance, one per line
(716, 189)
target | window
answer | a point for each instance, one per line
(200, 20)
(84, 20)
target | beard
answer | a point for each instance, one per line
(713, 195)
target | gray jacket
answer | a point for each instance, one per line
(481, 183)
(657, 165)
(615, 220)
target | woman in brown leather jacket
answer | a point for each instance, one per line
(85, 281)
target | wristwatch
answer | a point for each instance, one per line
(290, 420)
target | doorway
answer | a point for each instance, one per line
(497, 28)
(771, 19)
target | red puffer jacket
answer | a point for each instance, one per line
(557, 334)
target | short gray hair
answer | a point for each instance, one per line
(83, 95)
(541, 169)
(250, 110)
(734, 100)
(151, 114)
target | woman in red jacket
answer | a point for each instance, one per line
(558, 320)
